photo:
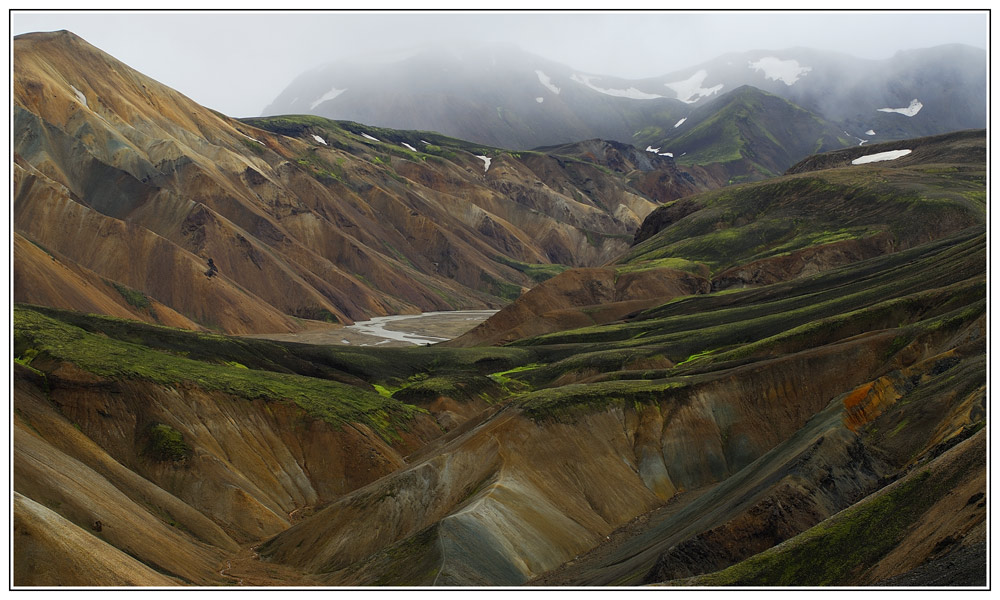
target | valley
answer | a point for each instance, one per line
(292, 351)
(396, 330)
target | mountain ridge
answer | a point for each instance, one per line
(332, 225)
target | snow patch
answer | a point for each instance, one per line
(544, 80)
(652, 149)
(880, 156)
(670, 154)
(539, 100)
(250, 138)
(424, 142)
(786, 71)
(365, 135)
(333, 93)
(690, 90)
(681, 122)
(409, 146)
(487, 160)
(79, 96)
(909, 111)
(631, 92)
(319, 139)
(870, 132)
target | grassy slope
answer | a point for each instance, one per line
(328, 383)
(933, 286)
(744, 223)
(758, 133)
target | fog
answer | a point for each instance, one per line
(238, 62)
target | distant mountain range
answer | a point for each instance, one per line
(506, 97)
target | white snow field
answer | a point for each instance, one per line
(486, 160)
(547, 82)
(785, 71)
(333, 93)
(80, 96)
(880, 156)
(631, 92)
(690, 90)
(909, 111)
(365, 135)
(319, 139)
(679, 123)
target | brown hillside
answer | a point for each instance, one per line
(316, 222)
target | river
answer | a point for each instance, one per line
(393, 330)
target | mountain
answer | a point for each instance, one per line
(506, 97)
(811, 410)
(826, 214)
(774, 383)
(124, 190)
(748, 134)
(496, 95)
(913, 93)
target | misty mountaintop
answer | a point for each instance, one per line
(503, 96)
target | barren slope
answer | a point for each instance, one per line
(302, 217)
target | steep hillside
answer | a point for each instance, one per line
(757, 234)
(777, 383)
(749, 135)
(135, 188)
(186, 451)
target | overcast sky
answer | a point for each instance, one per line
(238, 63)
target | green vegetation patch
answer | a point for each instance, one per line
(334, 402)
(166, 443)
(681, 264)
(537, 272)
(132, 297)
(501, 289)
(573, 398)
(839, 549)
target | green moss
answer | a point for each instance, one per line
(331, 401)
(500, 289)
(537, 272)
(509, 384)
(253, 146)
(681, 264)
(838, 550)
(132, 297)
(166, 443)
(569, 399)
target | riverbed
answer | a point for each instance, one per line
(393, 330)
